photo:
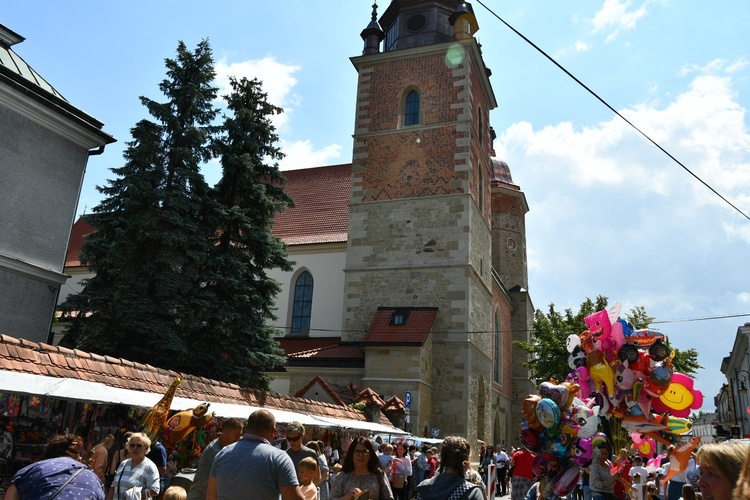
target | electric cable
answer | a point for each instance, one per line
(579, 82)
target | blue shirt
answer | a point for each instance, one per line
(42, 479)
(252, 464)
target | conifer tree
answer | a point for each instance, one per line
(151, 241)
(239, 343)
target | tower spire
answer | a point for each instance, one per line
(373, 34)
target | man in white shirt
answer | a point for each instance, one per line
(640, 484)
(502, 470)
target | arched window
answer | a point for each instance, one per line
(302, 310)
(498, 361)
(411, 109)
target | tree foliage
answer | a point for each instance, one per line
(551, 329)
(180, 267)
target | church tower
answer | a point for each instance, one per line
(420, 236)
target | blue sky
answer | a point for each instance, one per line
(609, 213)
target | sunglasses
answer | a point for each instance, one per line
(361, 452)
(292, 439)
(135, 445)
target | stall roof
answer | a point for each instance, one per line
(42, 369)
(356, 424)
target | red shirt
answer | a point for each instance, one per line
(523, 461)
(433, 467)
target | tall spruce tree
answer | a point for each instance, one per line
(152, 240)
(238, 342)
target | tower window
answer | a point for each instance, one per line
(411, 110)
(302, 310)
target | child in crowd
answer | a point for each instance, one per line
(308, 468)
(175, 493)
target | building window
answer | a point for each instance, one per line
(498, 361)
(391, 36)
(411, 110)
(399, 317)
(302, 310)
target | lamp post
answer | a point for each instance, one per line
(742, 378)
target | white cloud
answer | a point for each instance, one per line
(582, 46)
(278, 82)
(302, 154)
(616, 16)
(703, 127)
(744, 297)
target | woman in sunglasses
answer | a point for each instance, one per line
(137, 476)
(361, 471)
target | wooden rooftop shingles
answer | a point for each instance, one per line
(60, 362)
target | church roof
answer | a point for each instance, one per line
(321, 206)
(320, 213)
(400, 325)
(501, 172)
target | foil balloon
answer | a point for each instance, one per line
(645, 446)
(548, 413)
(528, 409)
(566, 480)
(679, 398)
(558, 448)
(600, 371)
(572, 342)
(598, 439)
(588, 420)
(560, 394)
(581, 451)
(658, 381)
(531, 440)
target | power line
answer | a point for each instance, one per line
(474, 332)
(579, 82)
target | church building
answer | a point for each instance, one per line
(410, 271)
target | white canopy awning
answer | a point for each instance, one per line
(95, 392)
(357, 424)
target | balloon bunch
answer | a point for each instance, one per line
(629, 374)
(561, 430)
(616, 371)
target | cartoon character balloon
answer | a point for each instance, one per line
(680, 397)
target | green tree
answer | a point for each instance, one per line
(548, 347)
(238, 343)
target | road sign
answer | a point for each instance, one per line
(407, 399)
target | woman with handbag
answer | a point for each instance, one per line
(100, 457)
(137, 477)
(400, 470)
(61, 475)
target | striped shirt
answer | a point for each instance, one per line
(144, 475)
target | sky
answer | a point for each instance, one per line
(610, 214)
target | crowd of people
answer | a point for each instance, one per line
(243, 462)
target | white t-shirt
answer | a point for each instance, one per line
(638, 469)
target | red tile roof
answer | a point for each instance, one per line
(23, 356)
(320, 213)
(416, 328)
(394, 404)
(77, 237)
(341, 394)
(292, 345)
(348, 351)
(369, 396)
